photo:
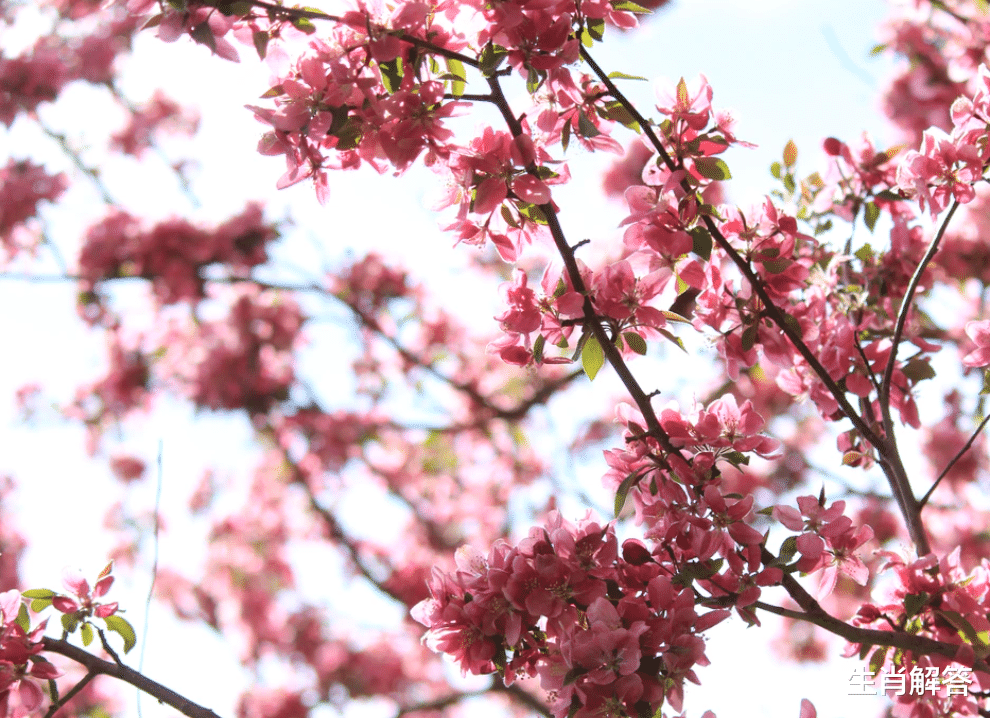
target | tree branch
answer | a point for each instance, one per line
(308, 14)
(98, 666)
(892, 465)
(591, 321)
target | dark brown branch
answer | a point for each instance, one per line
(918, 645)
(812, 612)
(890, 460)
(98, 666)
(592, 323)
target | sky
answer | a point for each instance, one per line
(788, 69)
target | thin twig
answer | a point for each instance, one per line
(948, 467)
(308, 14)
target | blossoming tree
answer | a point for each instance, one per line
(825, 304)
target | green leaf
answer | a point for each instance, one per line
(119, 624)
(865, 253)
(792, 323)
(629, 6)
(38, 593)
(966, 630)
(914, 602)
(674, 338)
(538, 349)
(749, 337)
(674, 317)
(507, 216)
(788, 549)
(775, 168)
(623, 491)
(985, 389)
(565, 136)
(392, 72)
(86, 632)
(713, 168)
(491, 57)
(871, 213)
(624, 76)
(592, 357)
(204, 36)
(456, 68)
(736, 458)
(69, 622)
(585, 126)
(702, 239)
(40, 604)
(596, 27)
(776, 266)
(635, 342)
(878, 658)
(889, 196)
(534, 78)
(617, 112)
(918, 370)
(239, 8)
(23, 620)
(531, 211)
(260, 39)
(790, 154)
(303, 24)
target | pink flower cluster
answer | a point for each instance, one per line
(828, 541)
(937, 599)
(82, 603)
(23, 185)
(608, 633)
(241, 361)
(22, 667)
(159, 114)
(947, 166)
(700, 526)
(173, 254)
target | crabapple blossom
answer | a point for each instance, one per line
(825, 326)
(979, 332)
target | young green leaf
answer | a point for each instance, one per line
(119, 624)
(623, 490)
(635, 342)
(86, 631)
(456, 68)
(870, 215)
(592, 357)
(624, 76)
(712, 168)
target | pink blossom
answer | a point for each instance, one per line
(979, 332)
